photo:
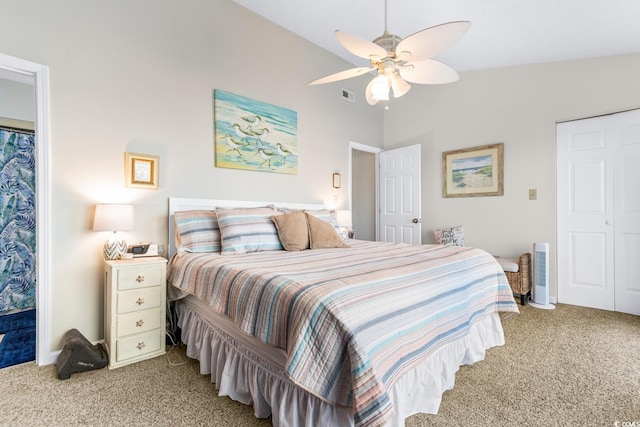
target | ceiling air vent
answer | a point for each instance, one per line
(348, 95)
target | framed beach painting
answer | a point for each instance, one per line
(254, 135)
(475, 171)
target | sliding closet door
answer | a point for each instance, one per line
(585, 213)
(599, 212)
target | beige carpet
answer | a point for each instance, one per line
(568, 367)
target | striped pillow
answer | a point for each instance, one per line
(248, 230)
(197, 231)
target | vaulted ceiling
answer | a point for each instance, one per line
(503, 32)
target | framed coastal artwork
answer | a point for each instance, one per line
(254, 135)
(475, 171)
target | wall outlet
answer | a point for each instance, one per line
(533, 194)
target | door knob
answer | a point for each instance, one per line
(416, 220)
(608, 222)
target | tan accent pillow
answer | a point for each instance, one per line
(293, 231)
(322, 235)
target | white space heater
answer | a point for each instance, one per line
(540, 286)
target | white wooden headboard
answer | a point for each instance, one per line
(177, 204)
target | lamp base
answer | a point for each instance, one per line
(113, 248)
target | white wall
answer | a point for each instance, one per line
(16, 100)
(518, 106)
(139, 76)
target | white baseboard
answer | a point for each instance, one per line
(53, 357)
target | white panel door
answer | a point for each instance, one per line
(627, 213)
(399, 191)
(585, 213)
(599, 212)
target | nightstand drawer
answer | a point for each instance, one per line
(140, 277)
(138, 321)
(137, 345)
(138, 299)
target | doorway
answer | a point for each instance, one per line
(39, 75)
(599, 212)
(363, 200)
(389, 212)
(17, 230)
(363, 190)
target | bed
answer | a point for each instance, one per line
(348, 333)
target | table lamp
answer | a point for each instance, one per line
(344, 220)
(113, 217)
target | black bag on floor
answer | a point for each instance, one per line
(79, 355)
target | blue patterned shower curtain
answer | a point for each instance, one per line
(17, 220)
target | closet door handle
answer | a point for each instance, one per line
(608, 222)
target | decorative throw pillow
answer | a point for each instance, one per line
(293, 230)
(197, 231)
(453, 236)
(248, 230)
(327, 216)
(322, 235)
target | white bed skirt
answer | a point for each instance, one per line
(252, 372)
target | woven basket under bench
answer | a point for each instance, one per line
(520, 281)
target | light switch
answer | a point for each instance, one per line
(533, 194)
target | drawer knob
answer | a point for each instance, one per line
(140, 301)
(139, 323)
(141, 345)
(140, 279)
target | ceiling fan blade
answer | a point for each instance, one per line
(430, 72)
(428, 43)
(359, 46)
(342, 75)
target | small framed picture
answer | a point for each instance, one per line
(141, 171)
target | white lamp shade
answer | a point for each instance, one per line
(380, 88)
(113, 217)
(399, 85)
(343, 218)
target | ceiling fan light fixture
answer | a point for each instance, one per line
(380, 88)
(401, 61)
(399, 85)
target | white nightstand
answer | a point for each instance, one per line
(135, 309)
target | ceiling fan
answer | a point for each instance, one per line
(399, 61)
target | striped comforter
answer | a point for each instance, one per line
(352, 320)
